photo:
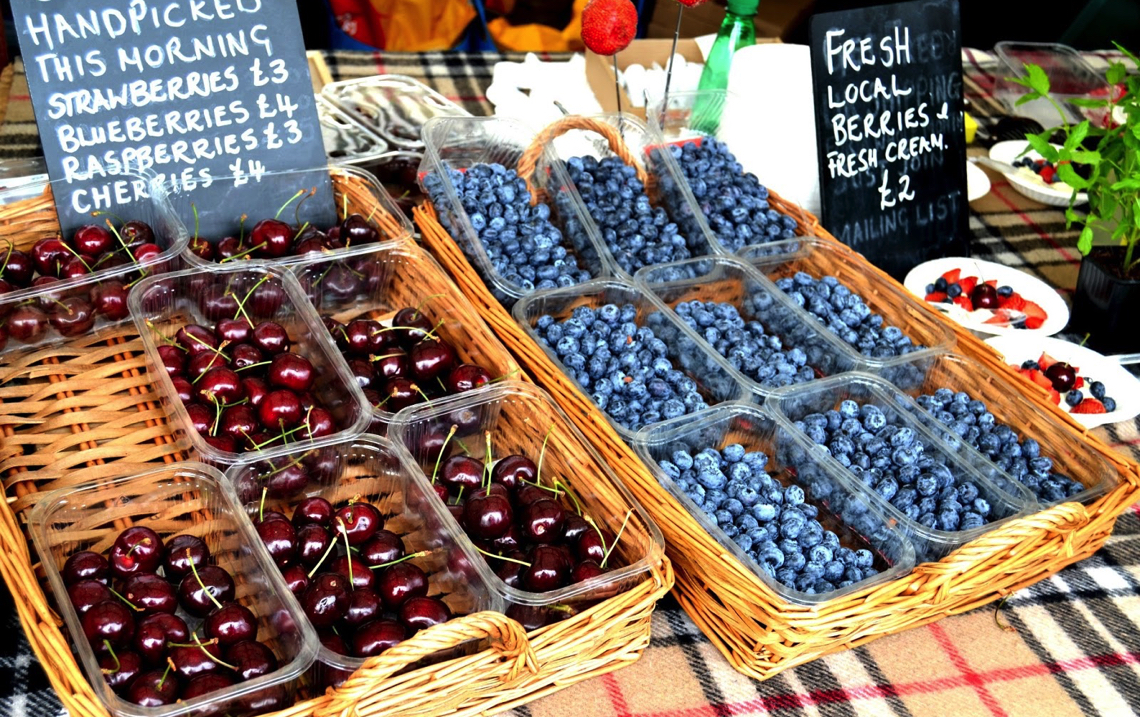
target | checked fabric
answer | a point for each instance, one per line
(1069, 645)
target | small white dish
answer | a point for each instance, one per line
(1029, 287)
(1028, 183)
(1119, 384)
(977, 183)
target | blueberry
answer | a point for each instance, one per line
(1074, 397)
(1096, 388)
(1109, 404)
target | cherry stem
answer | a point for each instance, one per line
(214, 641)
(344, 201)
(577, 504)
(242, 254)
(11, 248)
(69, 251)
(385, 356)
(291, 199)
(398, 560)
(217, 415)
(169, 667)
(459, 495)
(424, 301)
(290, 464)
(118, 665)
(373, 212)
(505, 376)
(194, 569)
(332, 544)
(348, 556)
(303, 227)
(617, 537)
(502, 557)
(297, 209)
(487, 460)
(542, 454)
(540, 486)
(442, 448)
(194, 208)
(422, 394)
(241, 228)
(261, 505)
(241, 304)
(253, 365)
(118, 236)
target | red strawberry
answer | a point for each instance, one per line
(1046, 361)
(1001, 316)
(608, 26)
(992, 282)
(1055, 396)
(1041, 379)
(968, 283)
(1089, 405)
(1014, 302)
(1080, 382)
(936, 296)
(692, 3)
(951, 276)
(964, 301)
(1033, 322)
(1034, 310)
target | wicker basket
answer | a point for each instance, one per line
(761, 634)
(84, 410)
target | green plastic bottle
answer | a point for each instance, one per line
(738, 30)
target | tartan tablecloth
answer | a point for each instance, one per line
(1069, 645)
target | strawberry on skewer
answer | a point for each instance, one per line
(608, 26)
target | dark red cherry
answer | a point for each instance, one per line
(195, 590)
(548, 570)
(292, 372)
(228, 248)
(92, 240)
(393, 363)
(150, 593)
(574, 527)
(201, 363)
(340, 284)
(153, 689)
(528, 494)
(420, 613)
(236, 331)
(399, 393)
(272, 237)
(356, 229)
(267, 299)
(357, 336)
(513, 470)
(27, 324)
(120, 669)
(239, 423)
(245, 356)
(138, 549)
(297, 578)
(984, 296)
(76, 267)
(362, 371)
(86, 594)
(154, 634)
(432, 358)
(182, 551)
(136, 232)
(377, 636)
(280, 538)
(202, 249)
(225, 444)
(206, 684)
(586, 570)
(220, 385)
(196, 659)
(467, 377)
(332, 641)
(362, 577)
(510, 540)
(184, 389)
(1063, 376)
(110, 299)
(252, 659)
(312, 543)
(18, 268)
(542, 521)
(85, 565)
(201, 418)
(461, 471)
(400, 582)
(359, 520)
(314, 509)
(287, 482)
(271, 338)
(255, 389)
(73, 316)
(231, 624)
(319, 424)
(173, 359)
(363, 607)
(49, 255)
(196, 339)
(218, 302)
(382, 548)
(412, 326)
(486, 516)
(325, 600)
(280, 409)
(109, 620)
(309, 245)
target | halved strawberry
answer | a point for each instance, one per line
(1080, 382)
(1033, 322)
(936, 296)
(1014, 302)
(964, 301)
(952, 276)
(1055, 396)
(1046, 361)
(992, 282)
(1041, 379)
(1001, 316)
(1089, 405)
(1034, 310)
(968, 283)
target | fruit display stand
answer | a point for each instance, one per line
(84, 409)
(757, 631)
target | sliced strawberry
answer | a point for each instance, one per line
(1001, 316)
(936, 296)
(1014, 302)
(952, 276)
(968, 283)
(1055, 396)
(992, 282)
(1041, 379)
(1089, 405)
(1033, 322)
(1080, 382)
(1046, 361)
(1034, 310)
(964, 301)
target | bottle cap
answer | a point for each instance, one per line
(743, 7)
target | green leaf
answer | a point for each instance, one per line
(1070, 177)
(1084, 243)
(1071, 216)
(1037, 78)
(1081, 156)
(1085, 102)
(1126, 183)
(1042, 146)
(1077, 135)
(1136, 212)
(1027, 97)
(1128, 54)
(1120, 230)
(1116, 73)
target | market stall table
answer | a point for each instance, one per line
(1067, 646)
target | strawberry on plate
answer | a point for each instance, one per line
(968, 283)
(1089, 405)
(952, 276)
(964, 301)
(1013, 302)
(1045, 361)
(936, 296)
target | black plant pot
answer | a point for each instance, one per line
(1106, 306)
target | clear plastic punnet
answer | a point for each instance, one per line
(396, 107)
(791, 460)
(178, 499)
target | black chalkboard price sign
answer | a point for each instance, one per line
(892, 147)
(210, 97)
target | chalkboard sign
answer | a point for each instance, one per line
(211, 97)
(892, 147)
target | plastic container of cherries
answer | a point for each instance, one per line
(408, 335)
(243, 363)
(171, 600)
(360, 496)
(55, 287)
(554, 529)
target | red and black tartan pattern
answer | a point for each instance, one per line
(1069, 645)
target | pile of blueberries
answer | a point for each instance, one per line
(846, 315)
(524, 247)
(893, 462)
(969, 420)
(745, 345)
(624, 367)
(734, 203)
(636, 233)
(769, 522)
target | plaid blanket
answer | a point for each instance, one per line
(1069, 645)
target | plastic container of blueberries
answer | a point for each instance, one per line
(396, 107)
(399, 275)
(730, 280)
(792, 460)
(371, 469)
(1007, 498)
(277, 187)
(181, 498)
(716, 381)
(1069, 453)
(639, 140)
(30, 227)
(819, 258)
(462, 142)
(162, 305)
(690, 117)
(519, 418)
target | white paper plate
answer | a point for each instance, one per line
(1029, 184)
(977, 183)
(1030, 287)
(1119, 384)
